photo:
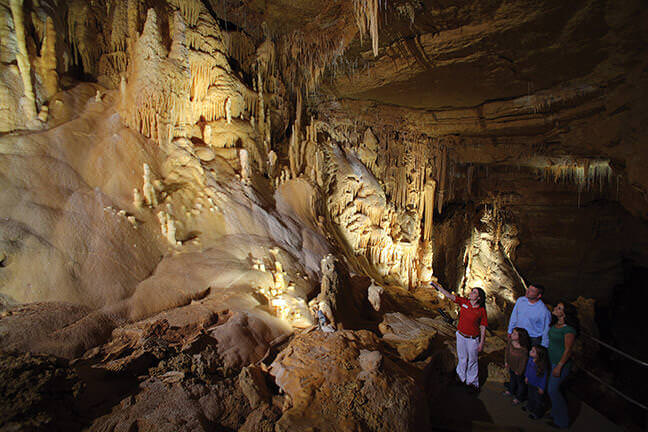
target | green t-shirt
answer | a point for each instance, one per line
(557, 342)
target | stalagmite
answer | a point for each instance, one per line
(207, 134)
(330, 289)
(171, 231)
(228, 110)
(43, 114)
(179, 50)
(162, 218)
(374, 292)
(245, 165)
(272, 163)
(150, 197)
(131, 220)
(22, 58)
(98, 96)
(137, 198)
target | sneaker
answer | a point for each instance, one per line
(515, 401)
(506, 393)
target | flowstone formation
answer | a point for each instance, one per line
(225, 215)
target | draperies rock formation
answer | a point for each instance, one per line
(185, 183)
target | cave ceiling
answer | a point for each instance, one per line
(440, 55)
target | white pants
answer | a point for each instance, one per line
(467, 352)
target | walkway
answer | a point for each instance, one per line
(490, 411)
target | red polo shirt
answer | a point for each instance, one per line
(470, 318)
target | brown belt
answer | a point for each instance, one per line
(466, 336)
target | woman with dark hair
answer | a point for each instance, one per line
(562, 335)
(471, 333)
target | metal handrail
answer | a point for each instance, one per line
(628, 398)
(616, 350)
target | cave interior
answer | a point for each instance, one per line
(183, 183)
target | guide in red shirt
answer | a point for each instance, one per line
(471, 333)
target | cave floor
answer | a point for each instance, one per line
(490, 410)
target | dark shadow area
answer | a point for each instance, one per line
(457, 410)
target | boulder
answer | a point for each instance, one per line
(252, 383)
(335, 382)
(411, 337)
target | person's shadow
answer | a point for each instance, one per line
(457, 409)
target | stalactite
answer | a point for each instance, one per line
(190, 10)
(293, 153)
(47, 60)
(428, 204)
(583, 173)
(22, 58)
(442, 178)
(401, 187)
(469, 177)
(267, 141)
(82, 35)
(261, 106)
(132, 12)
(366, 16)
(319, 167)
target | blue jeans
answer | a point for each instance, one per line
(558, 402)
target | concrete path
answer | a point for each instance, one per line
(490, 410)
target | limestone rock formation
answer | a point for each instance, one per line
(183, 182)
(332, 385)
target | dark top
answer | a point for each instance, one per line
(557, 342)
(516, 358)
